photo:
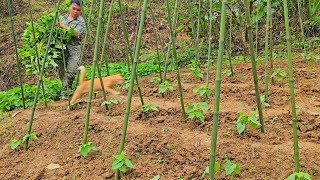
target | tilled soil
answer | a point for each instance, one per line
(162, 143)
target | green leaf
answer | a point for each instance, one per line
(240, 127)
(228, 167)
(122, 169)
(117, 165)
(86, 148)
(157, 177)
(237, 169)
(29, 136)
(129, 163)
(15, 143)
(217, 167)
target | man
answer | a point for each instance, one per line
(73, 20)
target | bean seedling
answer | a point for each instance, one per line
(203, 91)
(299, 176)
(195, 110)
(165, 86)
(231, 168)
(217, 167)
(121, 163)
(16, 142)
(279, 74)
(86, 148)
(149, 107)
(243, 119)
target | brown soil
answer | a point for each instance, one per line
(162, 142)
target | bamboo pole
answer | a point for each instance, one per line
(209, 44)
(128, 48)
(37, 55)
(16, 50)
(267, 51)
(103, 53)
(40, 78)
(302, 31)
(85, 38)
(291, 84)
(217, 91)
(194, 33)
(125, 32)
(65, 70)
(230, 44)
(132, 78)
(156, 38)
(172, 32)
(253, 62)
(170, 41)
(95, 57)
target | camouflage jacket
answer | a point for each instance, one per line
(78, 25)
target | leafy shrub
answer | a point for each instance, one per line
(42, 27)
(195, 110)
(11, 99)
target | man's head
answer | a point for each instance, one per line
(75, 9)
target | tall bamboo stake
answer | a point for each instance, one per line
(194, 33)
(172, 32)
(156, 38)
(16, 50)
(230, 44)
(302, 31)
(209, 43)
(132, 78)
(217, 91)
(85, 38)
(128, 48)
(253, 62)
(267, 51)
(65, 70)
(40, 78)
(170, 42)
(93, 68)
(291, 84)
(125, 32)
(271, 46)
(37, 55)
(103, 53)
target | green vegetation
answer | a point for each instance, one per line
(148, 108)
(196, 110)
(121, 163)
(243, 119)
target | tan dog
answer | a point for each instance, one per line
(84, 86)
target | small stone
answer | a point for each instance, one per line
(53, 166)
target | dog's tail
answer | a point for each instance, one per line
(82, 74)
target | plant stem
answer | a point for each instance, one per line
(132, 78)
(217, 91)
(291, 84)
(40, 78)
(253, 62)
(172, 32)
(16, 50)
(95, 57)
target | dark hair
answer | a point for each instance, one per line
(75, 1)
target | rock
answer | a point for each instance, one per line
(53, 166)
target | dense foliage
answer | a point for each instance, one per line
(42, 30)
